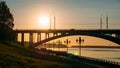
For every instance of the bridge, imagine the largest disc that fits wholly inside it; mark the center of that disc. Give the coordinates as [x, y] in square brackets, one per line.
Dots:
[111, 34]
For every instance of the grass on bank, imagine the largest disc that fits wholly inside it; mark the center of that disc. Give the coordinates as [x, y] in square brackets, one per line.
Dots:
[15, 56]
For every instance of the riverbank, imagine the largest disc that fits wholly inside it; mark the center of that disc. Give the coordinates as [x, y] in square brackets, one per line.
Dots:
[15, 56]
[99, 63]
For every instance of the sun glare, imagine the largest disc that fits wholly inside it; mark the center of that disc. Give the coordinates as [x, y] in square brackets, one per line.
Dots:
[44, 22]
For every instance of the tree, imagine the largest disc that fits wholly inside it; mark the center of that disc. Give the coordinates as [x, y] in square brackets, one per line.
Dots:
[6, 23]
[6, 18]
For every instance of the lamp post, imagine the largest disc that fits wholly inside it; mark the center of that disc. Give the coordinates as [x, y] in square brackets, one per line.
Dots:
[67, 42]
[80, 41]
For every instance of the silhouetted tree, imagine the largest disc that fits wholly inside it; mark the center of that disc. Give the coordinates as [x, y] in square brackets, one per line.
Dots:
[6, 23]
[6, 18]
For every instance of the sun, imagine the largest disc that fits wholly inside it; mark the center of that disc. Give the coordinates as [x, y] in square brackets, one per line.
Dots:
[44, 22]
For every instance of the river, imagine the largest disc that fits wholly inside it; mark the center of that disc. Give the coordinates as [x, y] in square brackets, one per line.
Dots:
[99, 53]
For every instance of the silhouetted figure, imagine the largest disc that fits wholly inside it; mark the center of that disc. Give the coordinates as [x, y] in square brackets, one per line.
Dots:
[6, 23]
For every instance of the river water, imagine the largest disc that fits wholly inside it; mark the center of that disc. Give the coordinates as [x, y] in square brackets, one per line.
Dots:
[99, 53]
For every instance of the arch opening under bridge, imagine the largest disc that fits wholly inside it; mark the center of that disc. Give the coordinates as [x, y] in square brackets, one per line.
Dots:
[98, 35]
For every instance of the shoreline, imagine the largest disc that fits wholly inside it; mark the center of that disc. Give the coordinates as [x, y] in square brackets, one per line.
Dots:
[85, 60]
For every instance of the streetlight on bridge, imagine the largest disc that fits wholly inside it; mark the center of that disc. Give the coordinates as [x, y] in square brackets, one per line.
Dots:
[80, 41]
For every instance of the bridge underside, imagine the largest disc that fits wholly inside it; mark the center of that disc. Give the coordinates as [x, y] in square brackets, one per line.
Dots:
[99, 35]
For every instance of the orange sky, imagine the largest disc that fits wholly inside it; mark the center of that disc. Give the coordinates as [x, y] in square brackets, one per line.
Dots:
[70, 14]
[77, 14]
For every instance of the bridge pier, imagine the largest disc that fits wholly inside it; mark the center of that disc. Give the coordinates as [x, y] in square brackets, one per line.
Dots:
[22, 39]
[46, 35]
[30, 38]
[38, 37]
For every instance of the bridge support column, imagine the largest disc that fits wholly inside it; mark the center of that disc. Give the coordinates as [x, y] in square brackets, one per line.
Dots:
[30, 38]
[22, 39]
[45, 35]
[48, 35]
[38, 37]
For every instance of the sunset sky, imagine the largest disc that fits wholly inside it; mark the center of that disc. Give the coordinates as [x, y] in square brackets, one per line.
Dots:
[70, 14]
[77, 14]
